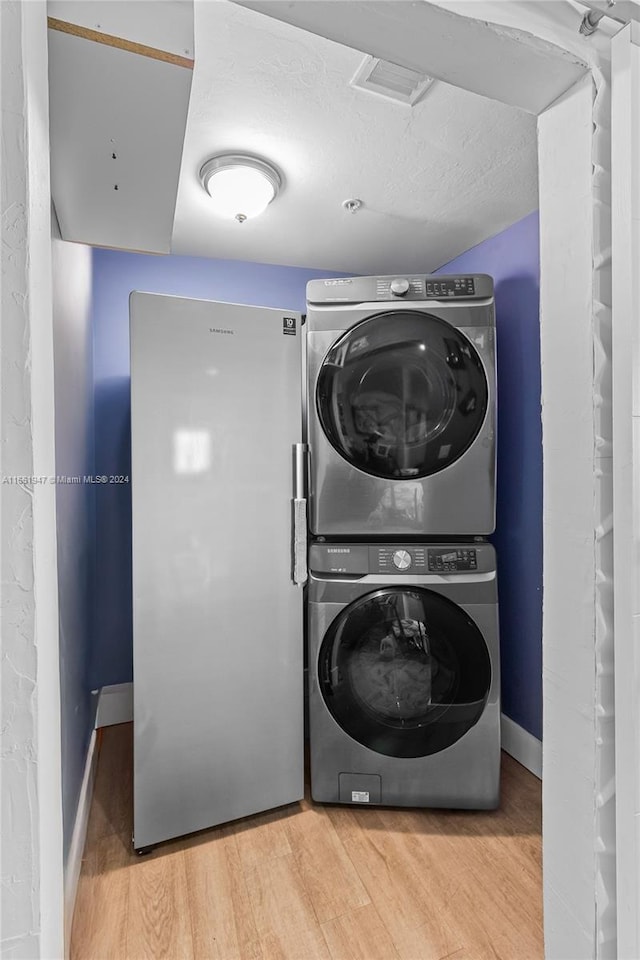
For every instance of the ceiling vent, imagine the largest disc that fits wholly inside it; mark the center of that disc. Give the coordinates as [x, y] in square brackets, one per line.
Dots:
[391, 80]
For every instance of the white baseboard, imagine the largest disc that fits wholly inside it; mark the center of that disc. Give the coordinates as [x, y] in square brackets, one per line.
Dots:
[115, 705]
[78, 838]
[521, 745]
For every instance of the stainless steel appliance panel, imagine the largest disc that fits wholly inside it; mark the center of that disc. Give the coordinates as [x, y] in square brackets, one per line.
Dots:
[218, 631]
[464, 774]
[458, 499]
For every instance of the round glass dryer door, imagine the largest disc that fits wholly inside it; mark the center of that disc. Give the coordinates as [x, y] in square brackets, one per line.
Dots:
[402, 394]
[404, 671]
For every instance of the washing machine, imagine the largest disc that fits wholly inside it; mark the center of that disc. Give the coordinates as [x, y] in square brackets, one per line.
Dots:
[404, 674]
[401, 406]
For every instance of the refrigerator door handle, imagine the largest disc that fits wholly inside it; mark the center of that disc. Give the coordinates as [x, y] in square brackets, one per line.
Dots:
[300, 518]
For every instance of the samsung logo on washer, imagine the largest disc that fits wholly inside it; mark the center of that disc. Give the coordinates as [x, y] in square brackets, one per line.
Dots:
[338, 549]
[219, 330]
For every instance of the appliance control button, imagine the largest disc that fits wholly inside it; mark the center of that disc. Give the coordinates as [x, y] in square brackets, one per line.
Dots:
[402, 559]
[399, 287]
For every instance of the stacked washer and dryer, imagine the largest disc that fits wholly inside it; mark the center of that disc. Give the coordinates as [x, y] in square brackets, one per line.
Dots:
[404, 666]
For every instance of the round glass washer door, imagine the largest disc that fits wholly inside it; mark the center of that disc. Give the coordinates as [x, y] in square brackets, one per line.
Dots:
[404, 671]
[402, 394]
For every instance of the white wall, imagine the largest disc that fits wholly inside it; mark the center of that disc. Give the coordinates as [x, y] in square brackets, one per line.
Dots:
[73, 358]
[32, 896]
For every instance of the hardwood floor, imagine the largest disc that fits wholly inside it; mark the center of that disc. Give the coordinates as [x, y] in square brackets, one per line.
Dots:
[308, 882]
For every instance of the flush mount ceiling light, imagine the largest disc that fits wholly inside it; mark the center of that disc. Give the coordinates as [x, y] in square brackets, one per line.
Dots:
[240, 186]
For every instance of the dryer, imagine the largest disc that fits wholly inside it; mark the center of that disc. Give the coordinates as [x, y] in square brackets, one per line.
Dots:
[401, 406]
[404, 674]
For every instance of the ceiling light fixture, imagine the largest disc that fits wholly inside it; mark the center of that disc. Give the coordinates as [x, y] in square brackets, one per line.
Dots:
[240, 185]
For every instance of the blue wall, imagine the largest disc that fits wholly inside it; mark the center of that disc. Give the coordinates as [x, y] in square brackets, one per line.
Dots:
[115, 275]
[512, 259]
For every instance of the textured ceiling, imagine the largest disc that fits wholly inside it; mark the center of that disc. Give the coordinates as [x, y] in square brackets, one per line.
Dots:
[434, 179]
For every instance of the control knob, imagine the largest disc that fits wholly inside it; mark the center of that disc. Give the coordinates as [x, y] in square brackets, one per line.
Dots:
[399, 287]
[402, 559]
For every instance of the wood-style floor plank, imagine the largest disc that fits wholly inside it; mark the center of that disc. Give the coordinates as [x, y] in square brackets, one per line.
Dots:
[111, 806]
[159, 908]
[101, 916]
[262, 837]
[329, 876]
[412, 904]
[311, 882]
[286, 923]
[219, 903]
[359, 935]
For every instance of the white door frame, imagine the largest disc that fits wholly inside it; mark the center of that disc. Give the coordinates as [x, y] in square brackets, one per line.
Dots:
[576, 358]
[625, 142]
[576, 500]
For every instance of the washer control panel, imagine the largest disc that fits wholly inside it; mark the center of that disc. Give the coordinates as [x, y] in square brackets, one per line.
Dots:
[398, 559]
[450, 560]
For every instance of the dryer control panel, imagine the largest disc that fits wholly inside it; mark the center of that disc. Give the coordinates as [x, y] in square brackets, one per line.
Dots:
[410, 286]
[398, 559]
[425, 288]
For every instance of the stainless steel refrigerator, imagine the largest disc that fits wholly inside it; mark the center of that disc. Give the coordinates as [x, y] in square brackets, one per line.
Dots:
[218, 562]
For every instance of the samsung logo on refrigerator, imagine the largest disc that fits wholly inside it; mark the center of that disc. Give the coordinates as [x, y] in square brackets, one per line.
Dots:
[219, 330]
